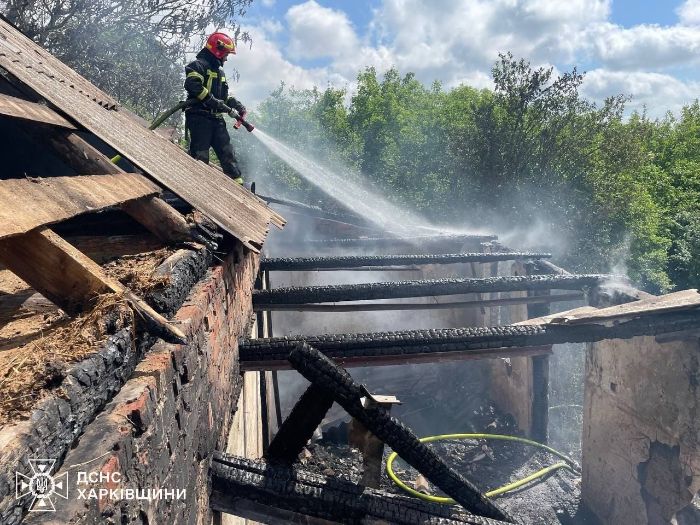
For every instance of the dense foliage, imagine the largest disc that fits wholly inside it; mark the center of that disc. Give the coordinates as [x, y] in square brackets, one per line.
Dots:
[530, 157]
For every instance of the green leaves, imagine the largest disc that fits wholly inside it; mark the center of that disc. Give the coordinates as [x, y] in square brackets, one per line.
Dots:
[530, 155]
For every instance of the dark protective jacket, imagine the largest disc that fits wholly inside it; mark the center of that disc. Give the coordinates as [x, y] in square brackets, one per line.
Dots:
[205, 82]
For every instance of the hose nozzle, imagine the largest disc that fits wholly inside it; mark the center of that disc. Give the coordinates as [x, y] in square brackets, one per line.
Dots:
[240, 121]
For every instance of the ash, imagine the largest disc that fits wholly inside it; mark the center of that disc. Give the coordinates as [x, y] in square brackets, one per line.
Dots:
[489, 464]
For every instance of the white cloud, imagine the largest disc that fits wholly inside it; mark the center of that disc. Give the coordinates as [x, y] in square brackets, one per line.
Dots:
[454, 38]
[268, 3]
[689, 12]
[262, 67]
[458, 41]
[644, 46]
[271, 26]
[317, 32]
[658, 92]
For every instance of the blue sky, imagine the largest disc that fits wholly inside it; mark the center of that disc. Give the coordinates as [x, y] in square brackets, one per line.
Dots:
[644, 48]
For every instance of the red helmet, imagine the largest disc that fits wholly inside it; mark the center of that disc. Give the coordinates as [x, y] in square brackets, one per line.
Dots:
[220, 44]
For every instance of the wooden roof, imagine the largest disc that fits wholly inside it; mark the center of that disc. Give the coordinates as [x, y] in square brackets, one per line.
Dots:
[229, 205]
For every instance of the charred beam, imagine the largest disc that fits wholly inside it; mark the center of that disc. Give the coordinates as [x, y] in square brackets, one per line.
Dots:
[478, 341]
[336, 381]
[259, 491]
[422, 288]
[300, 425]
[314, 211]
[416, 240]
[381, 307]
[289, 264]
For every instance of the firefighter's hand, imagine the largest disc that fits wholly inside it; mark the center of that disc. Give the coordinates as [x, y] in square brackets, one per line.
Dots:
[239, 180]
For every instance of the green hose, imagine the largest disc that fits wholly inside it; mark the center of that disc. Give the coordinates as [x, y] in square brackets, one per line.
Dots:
[567, 464]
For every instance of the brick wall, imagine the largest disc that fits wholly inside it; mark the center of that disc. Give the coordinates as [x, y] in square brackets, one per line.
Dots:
[159, 431]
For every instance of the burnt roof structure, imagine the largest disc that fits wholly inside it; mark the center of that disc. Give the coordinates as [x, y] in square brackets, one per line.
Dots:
[45, 79]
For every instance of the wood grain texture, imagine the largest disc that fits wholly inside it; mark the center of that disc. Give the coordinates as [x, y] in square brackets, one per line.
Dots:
[18, 108]
[70, 279]
[229, 205]
[26, 204]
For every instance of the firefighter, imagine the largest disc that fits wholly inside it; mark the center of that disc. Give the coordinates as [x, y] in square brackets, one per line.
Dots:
[205, 82]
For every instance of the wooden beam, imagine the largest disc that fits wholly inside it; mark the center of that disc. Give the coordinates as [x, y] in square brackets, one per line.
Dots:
[337, 382]
[161, 219]
[380, 307]
[156, 215]
[26, 204]
[299, 427]
[72, 280]
[23, 109]
[276, 494]
[409, 359]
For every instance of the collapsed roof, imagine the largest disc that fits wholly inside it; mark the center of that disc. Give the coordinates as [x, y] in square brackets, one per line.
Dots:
[72, 101]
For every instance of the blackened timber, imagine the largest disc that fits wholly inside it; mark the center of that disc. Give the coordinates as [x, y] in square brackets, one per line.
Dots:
[314, 211]
[299, 427]
[423, 288]
[382, 307]
[289, 264]
[540, 383]
[483, 341]
[415, 240]
[257, 490]
[336, 381]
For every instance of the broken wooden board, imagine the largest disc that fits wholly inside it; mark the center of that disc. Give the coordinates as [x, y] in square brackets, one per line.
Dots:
[70, 279]
[18, 108]
[229, 205]
[26, 204]
[673, 302]
[157, 216]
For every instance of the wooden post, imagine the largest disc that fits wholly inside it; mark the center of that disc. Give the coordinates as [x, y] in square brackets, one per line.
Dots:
[540, 379]
[70, 279]
[371, 447]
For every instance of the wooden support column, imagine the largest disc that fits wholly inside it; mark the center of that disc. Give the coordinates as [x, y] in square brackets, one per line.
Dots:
[371, 446]
[156, 215]
[70, 279]
[540, 382]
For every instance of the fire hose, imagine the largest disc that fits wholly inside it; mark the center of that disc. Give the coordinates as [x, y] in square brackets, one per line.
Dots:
[182, 105]
[567, 463]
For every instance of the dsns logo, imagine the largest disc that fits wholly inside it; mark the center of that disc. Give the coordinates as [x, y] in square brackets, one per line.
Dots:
[41, 485]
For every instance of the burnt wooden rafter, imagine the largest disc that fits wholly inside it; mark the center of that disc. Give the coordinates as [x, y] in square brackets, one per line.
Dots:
[336, 382]
[280, 494]
[70, 279]
[299, 427]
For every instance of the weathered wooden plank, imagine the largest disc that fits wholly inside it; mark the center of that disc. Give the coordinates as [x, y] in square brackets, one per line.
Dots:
[157, 216]
[26, 204]
[228, 204]
[18, 108]
[70, 279]
[677, 301]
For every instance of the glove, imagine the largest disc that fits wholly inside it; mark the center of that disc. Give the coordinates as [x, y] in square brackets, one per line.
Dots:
[216, 105]
[239, 180]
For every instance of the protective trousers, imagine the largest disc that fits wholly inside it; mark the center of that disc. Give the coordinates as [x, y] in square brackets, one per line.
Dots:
[210, 131]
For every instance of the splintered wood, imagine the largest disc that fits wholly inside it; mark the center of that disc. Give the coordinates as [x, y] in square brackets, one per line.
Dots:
[18, 108]
[70, 279]
[26, 204]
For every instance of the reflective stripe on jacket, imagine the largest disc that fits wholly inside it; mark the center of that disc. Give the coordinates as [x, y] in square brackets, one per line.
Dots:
[205, 81]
